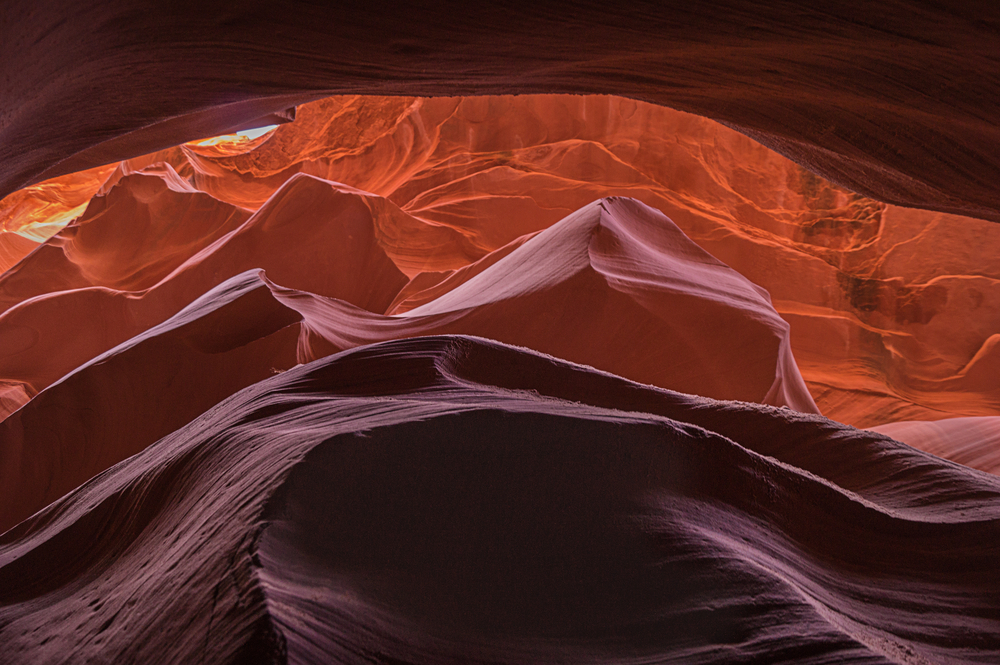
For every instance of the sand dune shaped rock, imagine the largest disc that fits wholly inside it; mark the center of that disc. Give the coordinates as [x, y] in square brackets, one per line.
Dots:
[614, 286]
[453, 499]
[313, 236]
[625, 523]
[880, 332]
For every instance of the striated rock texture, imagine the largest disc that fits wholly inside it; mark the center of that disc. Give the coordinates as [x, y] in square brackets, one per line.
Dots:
[34, 214]
[895, 99]
[248, 407]
[974, 442]
[451, 498]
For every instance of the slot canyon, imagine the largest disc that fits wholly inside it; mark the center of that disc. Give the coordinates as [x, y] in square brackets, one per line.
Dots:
[665, 333]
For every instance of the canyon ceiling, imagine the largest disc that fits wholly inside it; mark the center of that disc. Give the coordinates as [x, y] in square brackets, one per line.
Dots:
[895, 100]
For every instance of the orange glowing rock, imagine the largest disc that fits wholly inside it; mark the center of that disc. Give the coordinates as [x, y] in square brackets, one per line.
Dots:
[175, 244]
[307, 396]
[13, 248]
[876, 328]
[615, 286]
[452, 185]
[32, 215]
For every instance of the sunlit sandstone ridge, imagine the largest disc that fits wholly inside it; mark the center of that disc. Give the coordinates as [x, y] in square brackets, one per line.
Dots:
[880, 331]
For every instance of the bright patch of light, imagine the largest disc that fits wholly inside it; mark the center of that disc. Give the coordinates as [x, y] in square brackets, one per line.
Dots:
[43, 230]
[244, 136]
[259, 131]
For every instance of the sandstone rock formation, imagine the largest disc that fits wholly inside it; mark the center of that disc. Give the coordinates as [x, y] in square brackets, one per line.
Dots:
[880, 333]
[895, 99]
[437, 379]
[974, 442]
[454, 498]
[616, 286]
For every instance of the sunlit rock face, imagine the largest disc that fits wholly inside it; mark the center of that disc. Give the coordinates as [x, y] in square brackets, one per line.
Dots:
[431, 380]
[880, 332]
[34, 214]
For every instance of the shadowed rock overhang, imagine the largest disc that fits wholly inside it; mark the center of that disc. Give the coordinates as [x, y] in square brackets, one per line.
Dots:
[895, 99]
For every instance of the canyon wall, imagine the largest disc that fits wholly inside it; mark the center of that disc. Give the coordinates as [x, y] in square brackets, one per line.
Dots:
[428, 378]
[880, 332]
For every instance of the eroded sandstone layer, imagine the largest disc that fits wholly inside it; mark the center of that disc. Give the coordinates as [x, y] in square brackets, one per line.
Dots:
[661, 311]
[451, 498]
[880, 332]
[437, 380]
